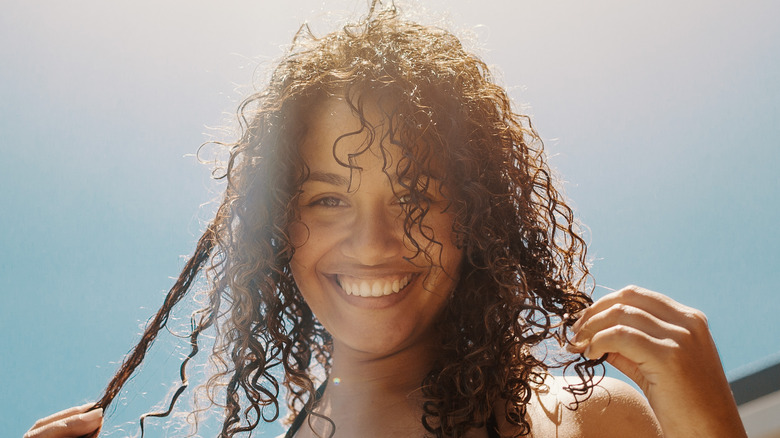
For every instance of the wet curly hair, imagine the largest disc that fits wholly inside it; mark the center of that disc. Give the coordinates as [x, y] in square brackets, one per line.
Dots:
[523, 276]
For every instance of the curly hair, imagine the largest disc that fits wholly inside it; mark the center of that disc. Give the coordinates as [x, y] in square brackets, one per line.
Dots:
[524, 275]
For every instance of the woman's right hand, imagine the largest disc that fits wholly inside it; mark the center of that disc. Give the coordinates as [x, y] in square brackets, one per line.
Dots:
[73, 422]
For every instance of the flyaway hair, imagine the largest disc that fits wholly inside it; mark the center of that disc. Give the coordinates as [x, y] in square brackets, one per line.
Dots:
[158, 322]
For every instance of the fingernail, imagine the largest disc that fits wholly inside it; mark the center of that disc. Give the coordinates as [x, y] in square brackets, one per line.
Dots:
[574, 346]
[92, 415]
[578, 317]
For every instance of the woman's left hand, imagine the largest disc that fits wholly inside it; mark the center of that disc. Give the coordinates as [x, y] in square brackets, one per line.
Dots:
[666, 348]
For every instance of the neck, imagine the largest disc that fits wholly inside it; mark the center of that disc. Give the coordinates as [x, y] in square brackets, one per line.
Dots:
[368, 393]
[357, 375]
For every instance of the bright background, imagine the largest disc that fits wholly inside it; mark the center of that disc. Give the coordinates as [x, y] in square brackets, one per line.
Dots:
[661, 116]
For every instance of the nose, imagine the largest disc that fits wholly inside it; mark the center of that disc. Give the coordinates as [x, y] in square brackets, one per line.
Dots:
[375, 237]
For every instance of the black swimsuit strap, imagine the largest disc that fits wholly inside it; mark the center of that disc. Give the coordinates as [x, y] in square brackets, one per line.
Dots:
[302, 415]
[490, 425]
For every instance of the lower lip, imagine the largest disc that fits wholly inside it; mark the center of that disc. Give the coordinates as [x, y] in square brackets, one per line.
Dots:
[382, 302]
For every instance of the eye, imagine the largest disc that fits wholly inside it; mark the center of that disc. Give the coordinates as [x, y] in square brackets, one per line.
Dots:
[424, 198]
[327, 202]
[404, 199]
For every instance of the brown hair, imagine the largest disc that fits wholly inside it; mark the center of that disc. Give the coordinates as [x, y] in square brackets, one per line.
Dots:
[524, 272]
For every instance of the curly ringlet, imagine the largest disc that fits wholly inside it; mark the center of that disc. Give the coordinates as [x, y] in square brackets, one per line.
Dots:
[524, 272]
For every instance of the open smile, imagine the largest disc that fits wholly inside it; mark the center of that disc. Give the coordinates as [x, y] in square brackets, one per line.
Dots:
[373, 287]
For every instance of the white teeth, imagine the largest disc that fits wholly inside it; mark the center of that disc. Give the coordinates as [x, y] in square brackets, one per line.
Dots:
[377, 287]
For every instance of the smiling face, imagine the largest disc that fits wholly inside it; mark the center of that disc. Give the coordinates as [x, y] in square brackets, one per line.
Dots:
[356, 268]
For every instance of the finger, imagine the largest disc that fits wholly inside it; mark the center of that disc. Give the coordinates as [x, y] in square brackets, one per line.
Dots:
[63, 414]
[658, 305]
[629, 368]
[72, 426]
[625, 315]
[635, 345]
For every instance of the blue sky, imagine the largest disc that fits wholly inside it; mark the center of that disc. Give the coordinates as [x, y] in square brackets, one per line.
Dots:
[661, 117]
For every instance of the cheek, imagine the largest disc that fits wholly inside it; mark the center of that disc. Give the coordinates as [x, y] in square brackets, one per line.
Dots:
[446, 272]
[446, 256]
[447, 249]
[299, 234]
[311, 246]
[301, 261]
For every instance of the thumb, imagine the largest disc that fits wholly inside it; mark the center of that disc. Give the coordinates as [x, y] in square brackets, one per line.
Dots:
[629, 368]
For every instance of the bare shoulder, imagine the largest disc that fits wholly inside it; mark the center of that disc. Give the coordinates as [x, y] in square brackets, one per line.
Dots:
[615, 409]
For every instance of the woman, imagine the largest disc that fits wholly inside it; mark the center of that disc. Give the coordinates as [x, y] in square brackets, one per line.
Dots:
[390, 224]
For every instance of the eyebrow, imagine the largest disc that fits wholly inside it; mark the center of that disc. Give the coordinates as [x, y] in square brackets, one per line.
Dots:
[340, 180]
[329, 178]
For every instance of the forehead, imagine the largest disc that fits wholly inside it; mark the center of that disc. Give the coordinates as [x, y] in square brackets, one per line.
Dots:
[333, 115]
[334, 132]
[337, 136]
